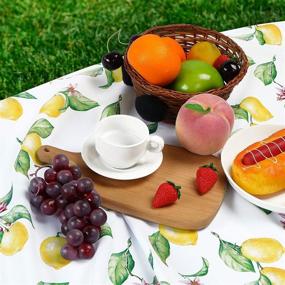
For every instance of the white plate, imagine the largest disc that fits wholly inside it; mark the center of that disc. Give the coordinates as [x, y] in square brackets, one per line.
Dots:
[151, 162]
[235, 144]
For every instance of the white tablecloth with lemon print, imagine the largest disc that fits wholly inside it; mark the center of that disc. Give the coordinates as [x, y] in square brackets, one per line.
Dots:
[221, 254]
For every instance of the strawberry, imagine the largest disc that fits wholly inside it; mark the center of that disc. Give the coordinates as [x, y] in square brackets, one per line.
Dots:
[220, 60]
[166, 194]
[206, 177]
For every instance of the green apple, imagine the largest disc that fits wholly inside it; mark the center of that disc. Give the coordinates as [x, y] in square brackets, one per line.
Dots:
[197, 76]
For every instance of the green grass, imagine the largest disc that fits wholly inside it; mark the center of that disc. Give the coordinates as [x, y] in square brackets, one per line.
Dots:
[42, 39]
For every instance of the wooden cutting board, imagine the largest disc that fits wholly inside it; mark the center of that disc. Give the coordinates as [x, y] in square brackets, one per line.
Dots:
[133, 197]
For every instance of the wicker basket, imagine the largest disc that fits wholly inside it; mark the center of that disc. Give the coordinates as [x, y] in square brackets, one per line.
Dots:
[187, 35]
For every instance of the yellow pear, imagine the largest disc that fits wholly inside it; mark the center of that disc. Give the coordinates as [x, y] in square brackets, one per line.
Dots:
[53, 106]
[10, 109]
[31, 144]
[274, 274]
[271, 34]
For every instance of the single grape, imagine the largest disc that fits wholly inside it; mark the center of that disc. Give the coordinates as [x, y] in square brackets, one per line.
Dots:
[98, 217]
[62, 217]
[64, 176]
[94, 199]
[81, 208]
[86, 251]
[37, 186]
[74, 183]
[112, 60]
[50, 175]
[68, 192]
[91, 233]
[85, 185]
[68, 211]
[61, 202]
[64, 228]
[53, 189]
[76, 171]
[74, 237]
[69, 252]
[48, 207]
[59, 162]
[75, 223]
[36, 201]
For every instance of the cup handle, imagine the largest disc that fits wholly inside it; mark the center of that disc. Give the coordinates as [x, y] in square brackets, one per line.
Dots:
[155, 144]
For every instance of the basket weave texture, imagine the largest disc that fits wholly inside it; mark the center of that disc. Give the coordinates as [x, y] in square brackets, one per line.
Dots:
[187, 35]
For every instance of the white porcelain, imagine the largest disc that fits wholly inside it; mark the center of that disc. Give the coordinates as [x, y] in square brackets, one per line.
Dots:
[236, 143]
[122, 141]
[150, 163]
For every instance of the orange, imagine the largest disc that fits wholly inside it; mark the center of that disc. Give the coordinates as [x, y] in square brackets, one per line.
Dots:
[175, 46]
[154, 59]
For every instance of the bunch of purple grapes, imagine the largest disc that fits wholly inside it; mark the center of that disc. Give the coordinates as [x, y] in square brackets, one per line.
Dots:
[76, 203]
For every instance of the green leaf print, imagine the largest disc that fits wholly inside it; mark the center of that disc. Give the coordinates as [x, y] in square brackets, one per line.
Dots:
[202, 272]
[79, 102]
[112, 109]
[164, 283]
[232, 256]
[240, 113]
[48, 283]
[150, 259]
[4, 201]
[259, 37]
[25, 95]
[110, 79]
[160, 245]
[245, 37]
[93, 72]
[1, 235]
[250, 61]
[152, 127]
[266, 72]
[267, 212]
[106, 231]
[264, 280]
[22, 163]
[42, 127]
[120, 266]
[16, 213]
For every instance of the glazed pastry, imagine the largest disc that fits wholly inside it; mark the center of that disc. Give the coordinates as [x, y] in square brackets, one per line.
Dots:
[260, 168]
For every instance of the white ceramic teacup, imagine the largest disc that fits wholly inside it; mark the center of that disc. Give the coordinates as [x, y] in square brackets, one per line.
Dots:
[123, 140]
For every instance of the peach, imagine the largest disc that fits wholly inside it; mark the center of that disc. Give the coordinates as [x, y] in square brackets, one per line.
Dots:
[204, 123]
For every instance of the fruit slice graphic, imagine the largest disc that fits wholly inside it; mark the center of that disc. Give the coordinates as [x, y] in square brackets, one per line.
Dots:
[179, 236]
[257, 110]
[53, 106]
[31, 144]
[10, 109]
[275, 275]
[14, 240]
[271, 34]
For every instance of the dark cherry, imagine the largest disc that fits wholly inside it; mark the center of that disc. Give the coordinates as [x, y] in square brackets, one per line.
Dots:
[229, 70]
[112, 60]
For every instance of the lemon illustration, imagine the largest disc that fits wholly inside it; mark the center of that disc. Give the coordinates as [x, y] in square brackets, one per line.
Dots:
[14, 240]
[271, 34]
[179, 236]
[117, 74]
[274, 274]
[10, 109]
[256, 109]
[53, 106]
[31, 144]
[262, 249]
[50, 252]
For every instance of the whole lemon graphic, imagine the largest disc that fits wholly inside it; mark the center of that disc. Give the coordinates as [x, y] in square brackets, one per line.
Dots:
[53, 106]
[179, 236]
[14, 240]
[262, 249]
[50, 252]
[256, 109]
[271, 34]
[31, 144]
[10, 109]
[274, 274]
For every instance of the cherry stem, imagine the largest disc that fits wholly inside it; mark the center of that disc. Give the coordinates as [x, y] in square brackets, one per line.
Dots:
[118, 38]
[280, 85]
[38, 169]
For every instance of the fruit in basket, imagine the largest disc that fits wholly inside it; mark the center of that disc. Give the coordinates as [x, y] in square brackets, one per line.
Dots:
[271, 34]
[274, 274]
[206, 178]
[204, 123]
[54, 105]
[150, 108]
[154, 59]
[31, 144]
[177, 48]
[205, 51]
[197, 76]
[262, 249]
[229, 70]
[220, 60]
[10, 109]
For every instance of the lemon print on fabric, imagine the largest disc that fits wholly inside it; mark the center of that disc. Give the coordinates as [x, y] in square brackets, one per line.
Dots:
[257, 110]
[10, 109]
[14, 240]
[271, 34]
[50, 252]
[31, 144]
[262, 249]
[274, 274]
[179, 236]
[53, 107]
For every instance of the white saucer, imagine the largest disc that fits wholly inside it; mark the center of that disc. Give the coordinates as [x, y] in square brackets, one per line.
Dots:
[236, 143]
[150, 163]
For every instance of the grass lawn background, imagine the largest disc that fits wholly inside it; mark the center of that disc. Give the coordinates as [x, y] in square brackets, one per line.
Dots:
[44, 39]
